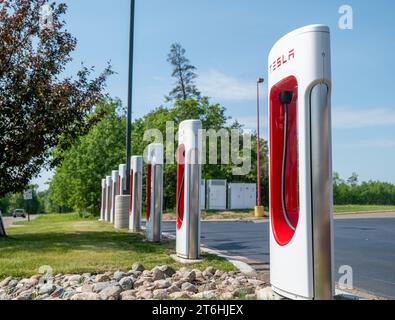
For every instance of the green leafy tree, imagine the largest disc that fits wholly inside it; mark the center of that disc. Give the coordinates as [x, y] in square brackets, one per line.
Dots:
[38, 104]
[353, 180]
[184, 73]
[77, 181]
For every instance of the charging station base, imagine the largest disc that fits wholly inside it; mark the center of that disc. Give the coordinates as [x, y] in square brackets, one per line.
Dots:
[185, 261]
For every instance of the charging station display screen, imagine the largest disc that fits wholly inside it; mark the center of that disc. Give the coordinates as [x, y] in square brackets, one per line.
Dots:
[284, 176]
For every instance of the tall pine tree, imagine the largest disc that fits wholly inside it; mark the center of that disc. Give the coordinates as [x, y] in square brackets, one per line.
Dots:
[184, 72]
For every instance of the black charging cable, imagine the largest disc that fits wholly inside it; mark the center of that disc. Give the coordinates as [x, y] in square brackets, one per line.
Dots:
[285, 99]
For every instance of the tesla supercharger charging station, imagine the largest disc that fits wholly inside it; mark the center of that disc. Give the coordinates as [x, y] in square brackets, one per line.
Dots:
[188, 190]
[136, 191]
[108, 198]
[122, 180]
[155, 192]
[114, 193]
[301, 220]
[103, 200]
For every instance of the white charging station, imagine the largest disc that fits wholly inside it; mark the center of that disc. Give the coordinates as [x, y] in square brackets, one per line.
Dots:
[155, 192]
[103, 200]
[114, 193]
[301, 199]
[108, 198]
[122, 180]
[188, 189]
[136, 191]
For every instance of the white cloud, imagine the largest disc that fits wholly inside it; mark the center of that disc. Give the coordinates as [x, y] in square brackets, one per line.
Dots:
[220, 86]
[347, 118]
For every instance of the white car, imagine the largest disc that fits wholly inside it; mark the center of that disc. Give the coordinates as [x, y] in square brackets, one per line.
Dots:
[19, 213]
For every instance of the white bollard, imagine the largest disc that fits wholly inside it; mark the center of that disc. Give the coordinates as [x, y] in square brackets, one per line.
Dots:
[122, 179]
[103, 200]
[108, 198]
[136, 190]
[114, 189]
[188, 190]
[155, 192]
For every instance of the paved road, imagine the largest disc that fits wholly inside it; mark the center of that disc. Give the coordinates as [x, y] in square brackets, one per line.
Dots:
[365, 243]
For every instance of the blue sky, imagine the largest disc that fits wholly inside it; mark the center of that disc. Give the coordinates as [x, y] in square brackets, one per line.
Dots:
[229, 41]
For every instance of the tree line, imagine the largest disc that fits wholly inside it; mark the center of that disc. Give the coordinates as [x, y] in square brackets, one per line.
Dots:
[365, 193]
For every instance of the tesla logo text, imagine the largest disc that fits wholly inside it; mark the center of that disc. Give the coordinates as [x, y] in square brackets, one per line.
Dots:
[280, 61]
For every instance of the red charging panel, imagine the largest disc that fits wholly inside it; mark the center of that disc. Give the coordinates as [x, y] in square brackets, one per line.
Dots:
[131, 193]
[282, 232]
[149, 178]
[180, 205]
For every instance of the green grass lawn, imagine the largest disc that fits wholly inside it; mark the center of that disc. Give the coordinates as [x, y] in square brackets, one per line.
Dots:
[362, 208]
[70, 244]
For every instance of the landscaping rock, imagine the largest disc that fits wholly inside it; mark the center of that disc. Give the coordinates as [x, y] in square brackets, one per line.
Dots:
[146, 295]
[266, 294]
[75, 278]
[139, 283]
[158, 274]
[87, 288]
[218, 274]
[25, 295]
[119, 275]
[181, 295]
[138, 267]
[128, 295]
[173, 288]
[102, 278]
[111, 293]
[86, 296]
[5, 282]
[162, 284]
[46, 289]
[126, 283]
[160, 293]
[227, 296]
[58, 292]
[189, 287]
[210, 271]
[188, 275]
[67, 295]
[13, 283]
[206, 295]
[98, 287]
[168, 271]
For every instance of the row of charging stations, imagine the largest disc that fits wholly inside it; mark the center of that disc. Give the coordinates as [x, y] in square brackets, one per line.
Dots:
[188, 191]
[300, 171]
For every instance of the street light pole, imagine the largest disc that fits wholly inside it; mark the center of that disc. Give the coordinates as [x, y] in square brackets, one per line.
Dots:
[130, 97]
[259, 212]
